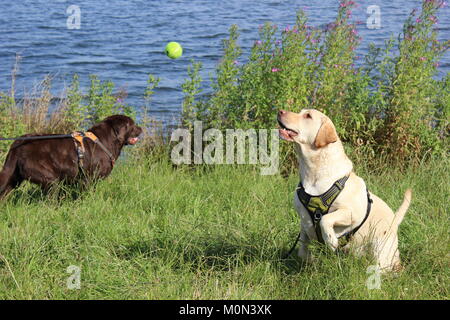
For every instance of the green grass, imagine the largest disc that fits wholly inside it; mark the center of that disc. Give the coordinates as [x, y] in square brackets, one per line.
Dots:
[152, 232]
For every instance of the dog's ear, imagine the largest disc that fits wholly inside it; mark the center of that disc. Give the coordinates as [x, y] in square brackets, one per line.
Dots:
[121, 131]
[326, 134]
[118, 126]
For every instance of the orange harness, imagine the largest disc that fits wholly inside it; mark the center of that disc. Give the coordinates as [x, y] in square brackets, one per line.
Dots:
[79, 137]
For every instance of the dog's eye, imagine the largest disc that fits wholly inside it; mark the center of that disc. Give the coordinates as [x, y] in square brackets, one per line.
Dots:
[307, 116]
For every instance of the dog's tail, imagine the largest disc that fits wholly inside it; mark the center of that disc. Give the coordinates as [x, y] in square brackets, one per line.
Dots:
[400, 214]
[7, 174]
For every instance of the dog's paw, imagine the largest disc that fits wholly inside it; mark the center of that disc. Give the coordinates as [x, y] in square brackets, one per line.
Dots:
[331, 241]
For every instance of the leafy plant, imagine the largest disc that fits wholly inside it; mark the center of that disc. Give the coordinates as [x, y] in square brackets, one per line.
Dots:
[389, 105]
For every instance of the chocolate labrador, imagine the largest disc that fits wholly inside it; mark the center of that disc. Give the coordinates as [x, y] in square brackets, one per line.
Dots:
[50, 160]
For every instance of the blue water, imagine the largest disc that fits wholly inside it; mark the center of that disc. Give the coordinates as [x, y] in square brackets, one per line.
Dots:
[123, 41]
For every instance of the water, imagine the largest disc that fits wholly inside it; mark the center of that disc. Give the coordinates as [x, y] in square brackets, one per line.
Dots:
[123, 41]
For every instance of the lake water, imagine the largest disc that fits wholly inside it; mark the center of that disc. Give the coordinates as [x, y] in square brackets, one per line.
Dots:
[124, 41]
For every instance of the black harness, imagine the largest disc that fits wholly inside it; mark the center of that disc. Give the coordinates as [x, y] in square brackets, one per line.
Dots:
[318, 206]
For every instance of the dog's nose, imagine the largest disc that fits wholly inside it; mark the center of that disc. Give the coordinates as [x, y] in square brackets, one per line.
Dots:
[281, 112]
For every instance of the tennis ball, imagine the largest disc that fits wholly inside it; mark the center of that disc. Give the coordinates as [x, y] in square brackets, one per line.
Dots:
[174, 50]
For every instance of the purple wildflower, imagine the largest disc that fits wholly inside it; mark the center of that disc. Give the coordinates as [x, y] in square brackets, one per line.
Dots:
[423, 58]
[275, 70]
[347, 4]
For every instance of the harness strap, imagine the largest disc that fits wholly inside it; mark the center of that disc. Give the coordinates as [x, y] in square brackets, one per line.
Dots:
[351, 233]
[54, 136]
[79, 137]
[327, 198]
[97, 141]
[318, 206]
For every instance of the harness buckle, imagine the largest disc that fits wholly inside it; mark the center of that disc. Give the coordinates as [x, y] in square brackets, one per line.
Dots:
[317, 215]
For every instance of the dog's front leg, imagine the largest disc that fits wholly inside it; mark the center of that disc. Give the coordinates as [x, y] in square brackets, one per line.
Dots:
[303, 251]
[338, 218]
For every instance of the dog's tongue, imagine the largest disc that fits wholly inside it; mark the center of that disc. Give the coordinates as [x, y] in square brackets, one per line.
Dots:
[133, 140]
[284, 134]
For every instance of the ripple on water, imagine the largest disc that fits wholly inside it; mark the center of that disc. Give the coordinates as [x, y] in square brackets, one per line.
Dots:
[124, 41]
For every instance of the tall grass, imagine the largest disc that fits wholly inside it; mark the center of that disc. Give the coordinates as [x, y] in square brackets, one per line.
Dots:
[153, 232]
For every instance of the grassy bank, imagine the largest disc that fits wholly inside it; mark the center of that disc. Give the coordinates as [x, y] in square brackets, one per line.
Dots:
[150, 231]
[153, 232]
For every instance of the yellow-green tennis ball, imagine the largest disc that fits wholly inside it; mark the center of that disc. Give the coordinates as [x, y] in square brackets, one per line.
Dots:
[174, 50]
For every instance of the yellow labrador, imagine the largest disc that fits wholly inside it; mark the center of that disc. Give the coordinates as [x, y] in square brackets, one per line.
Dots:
[354, 211]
